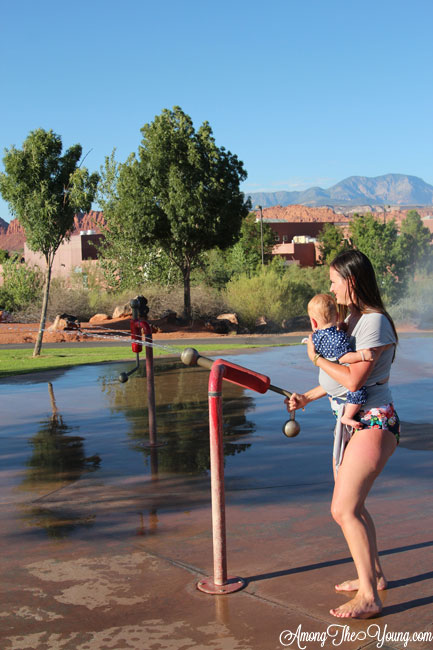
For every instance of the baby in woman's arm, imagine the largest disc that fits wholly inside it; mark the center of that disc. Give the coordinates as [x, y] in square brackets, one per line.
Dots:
[334, 344]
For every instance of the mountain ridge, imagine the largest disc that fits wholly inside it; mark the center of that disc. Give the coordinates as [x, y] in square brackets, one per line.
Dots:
[388, 189]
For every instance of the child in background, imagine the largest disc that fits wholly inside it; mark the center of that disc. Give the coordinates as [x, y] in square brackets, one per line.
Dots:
[334, 345]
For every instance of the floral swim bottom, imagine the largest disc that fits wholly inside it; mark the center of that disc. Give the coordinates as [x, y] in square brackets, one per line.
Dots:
[382, 417]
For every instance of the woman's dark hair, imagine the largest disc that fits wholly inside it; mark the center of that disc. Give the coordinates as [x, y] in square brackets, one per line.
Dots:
[354, 266]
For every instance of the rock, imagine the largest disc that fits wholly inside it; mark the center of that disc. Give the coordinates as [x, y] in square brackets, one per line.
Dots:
[232, 318]
[167, 320]
[99, 318]
[122, 310]
[169, 316]
[219, 326]
[265, 326]
[5, 316]
[296, 324]
[64, 322]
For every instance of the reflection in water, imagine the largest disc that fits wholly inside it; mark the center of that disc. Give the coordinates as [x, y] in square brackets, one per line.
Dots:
[182, 416]
[57, 457]
[57, 525]
[151, 527]
[222, 614]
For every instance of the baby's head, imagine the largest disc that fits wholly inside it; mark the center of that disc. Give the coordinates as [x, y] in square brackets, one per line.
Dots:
[322, 310]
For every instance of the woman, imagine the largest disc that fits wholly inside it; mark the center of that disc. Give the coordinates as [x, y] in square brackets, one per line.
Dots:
[354, 285]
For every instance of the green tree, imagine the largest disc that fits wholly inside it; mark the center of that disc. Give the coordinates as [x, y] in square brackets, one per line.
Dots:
[44, 190]
[388, 253]
[4, 255]
[332, 242]
[218, 266]
[181, 194]
[419, 238]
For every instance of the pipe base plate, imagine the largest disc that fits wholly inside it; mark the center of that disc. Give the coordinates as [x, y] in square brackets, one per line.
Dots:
[208, 586]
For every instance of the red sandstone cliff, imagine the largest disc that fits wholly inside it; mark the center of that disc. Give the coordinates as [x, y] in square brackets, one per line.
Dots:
[12, 236]
[299, 213]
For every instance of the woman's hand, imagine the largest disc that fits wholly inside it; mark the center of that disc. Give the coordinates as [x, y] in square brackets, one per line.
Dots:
[311, 350]
[295, 402]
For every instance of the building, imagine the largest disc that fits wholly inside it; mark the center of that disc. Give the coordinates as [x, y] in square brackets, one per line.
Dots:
[296, 228]
[70, 255]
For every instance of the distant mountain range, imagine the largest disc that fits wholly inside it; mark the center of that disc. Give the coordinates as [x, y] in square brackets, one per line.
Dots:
[390, 189]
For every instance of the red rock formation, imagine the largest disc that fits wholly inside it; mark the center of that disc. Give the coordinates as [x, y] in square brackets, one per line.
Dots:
[299, 213]
[92, 220]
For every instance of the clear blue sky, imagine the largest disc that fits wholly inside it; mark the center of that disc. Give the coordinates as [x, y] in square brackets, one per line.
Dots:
[305, 92]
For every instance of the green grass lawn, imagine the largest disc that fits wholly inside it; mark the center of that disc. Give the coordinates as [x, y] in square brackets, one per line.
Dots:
[16, 362]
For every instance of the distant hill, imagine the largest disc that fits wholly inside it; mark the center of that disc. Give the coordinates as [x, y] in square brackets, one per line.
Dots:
[390, 189]
[3, 225]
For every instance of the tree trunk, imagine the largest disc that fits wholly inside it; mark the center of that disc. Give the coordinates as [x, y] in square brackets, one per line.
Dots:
[38, 344]
[186, 271]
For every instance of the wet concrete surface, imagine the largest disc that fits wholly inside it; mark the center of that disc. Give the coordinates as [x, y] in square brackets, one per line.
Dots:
[103, 540]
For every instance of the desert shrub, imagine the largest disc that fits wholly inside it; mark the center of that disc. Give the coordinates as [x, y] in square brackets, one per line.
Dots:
[205, 301]
[317, 277]
[270, 294]
[22, 285]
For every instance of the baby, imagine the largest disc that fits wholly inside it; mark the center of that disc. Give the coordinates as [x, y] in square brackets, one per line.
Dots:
[334, 345]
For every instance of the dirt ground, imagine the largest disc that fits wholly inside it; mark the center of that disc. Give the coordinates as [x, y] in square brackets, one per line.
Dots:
[16, 333]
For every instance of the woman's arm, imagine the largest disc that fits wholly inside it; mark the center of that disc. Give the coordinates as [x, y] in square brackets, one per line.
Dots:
[299, 400]
[351, 377]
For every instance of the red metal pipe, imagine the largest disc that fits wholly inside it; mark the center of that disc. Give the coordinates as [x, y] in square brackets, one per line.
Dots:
[220, 583]
[244, 376]
[217, 474]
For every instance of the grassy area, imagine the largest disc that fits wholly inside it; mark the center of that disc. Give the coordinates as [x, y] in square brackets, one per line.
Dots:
[16, 362]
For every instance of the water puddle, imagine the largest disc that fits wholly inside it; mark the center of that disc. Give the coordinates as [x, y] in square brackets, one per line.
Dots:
[86, 429]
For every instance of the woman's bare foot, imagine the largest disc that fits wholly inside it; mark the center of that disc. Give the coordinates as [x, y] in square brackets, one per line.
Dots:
[353, 585]
[358, 607]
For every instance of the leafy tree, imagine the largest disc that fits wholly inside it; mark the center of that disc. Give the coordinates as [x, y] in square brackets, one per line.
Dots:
[250, 242]
[4, 255]
[332, 242]
[44, 190]
[387, 252]
[419, 238]
[180, 194]
[218, 266]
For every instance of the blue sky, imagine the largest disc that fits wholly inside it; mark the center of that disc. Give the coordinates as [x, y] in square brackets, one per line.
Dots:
[304, 92]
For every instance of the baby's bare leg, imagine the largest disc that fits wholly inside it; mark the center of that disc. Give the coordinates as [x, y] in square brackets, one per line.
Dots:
[348, 418]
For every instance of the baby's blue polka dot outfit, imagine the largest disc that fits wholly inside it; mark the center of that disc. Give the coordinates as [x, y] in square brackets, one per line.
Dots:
[332, 344]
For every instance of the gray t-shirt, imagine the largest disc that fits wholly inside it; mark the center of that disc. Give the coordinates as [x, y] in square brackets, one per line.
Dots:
[371, 331]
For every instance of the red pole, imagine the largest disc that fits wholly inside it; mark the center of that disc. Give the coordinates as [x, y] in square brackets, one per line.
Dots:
[220, 584]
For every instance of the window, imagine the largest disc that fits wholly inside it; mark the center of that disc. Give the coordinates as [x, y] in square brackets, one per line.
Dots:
[276, 238]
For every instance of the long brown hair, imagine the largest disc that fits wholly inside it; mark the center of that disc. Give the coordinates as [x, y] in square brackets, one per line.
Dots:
[355, 267]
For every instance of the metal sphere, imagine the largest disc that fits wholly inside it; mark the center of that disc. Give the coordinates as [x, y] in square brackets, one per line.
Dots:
[123, 377]
[189, 356]
[291, 428]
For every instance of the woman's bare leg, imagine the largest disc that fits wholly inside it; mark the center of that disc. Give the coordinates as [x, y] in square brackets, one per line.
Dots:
[353, 585]
[353, 483]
